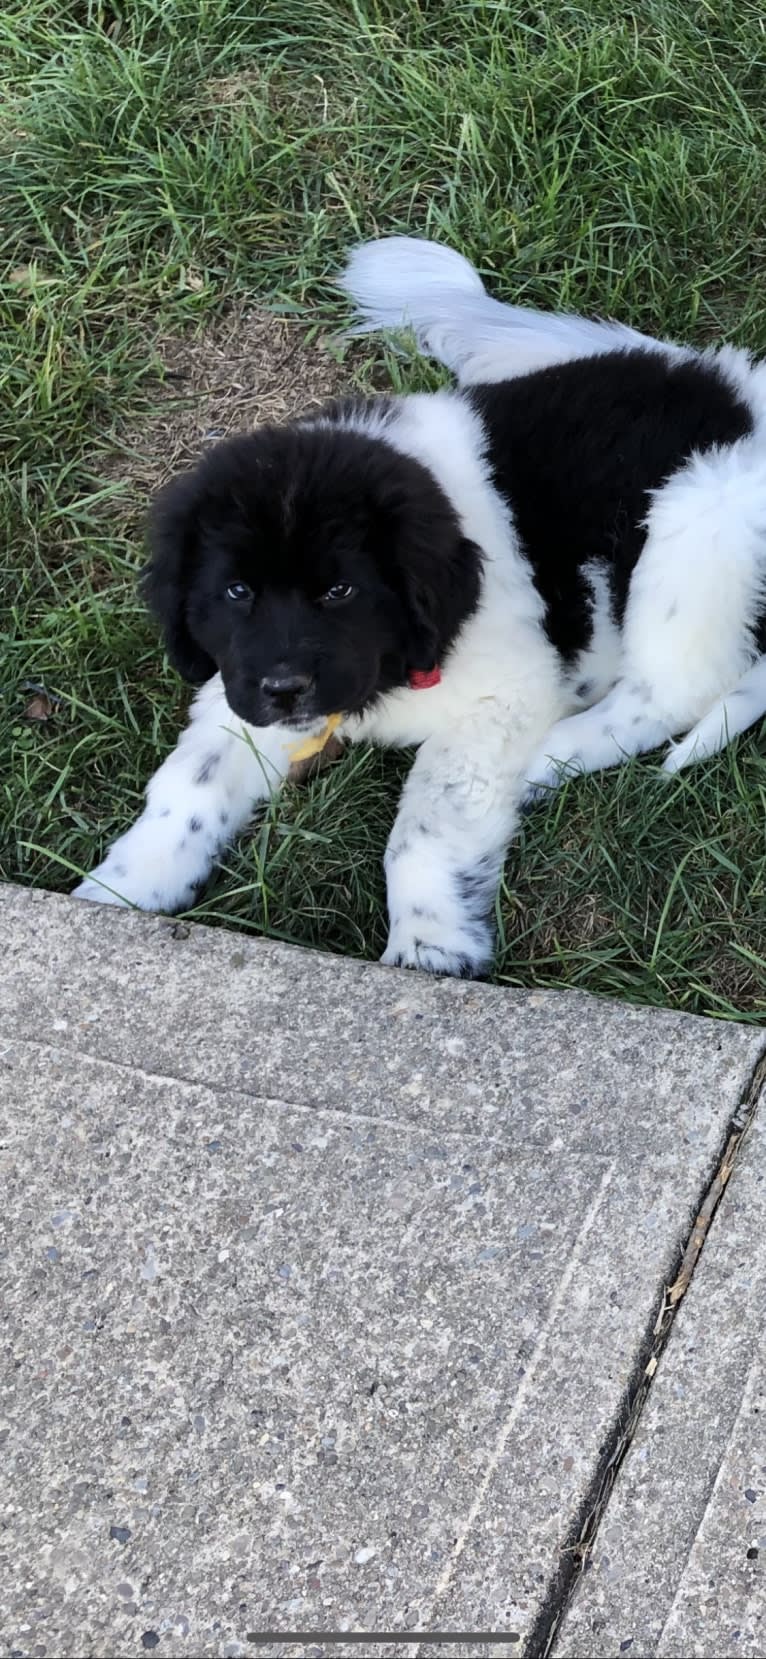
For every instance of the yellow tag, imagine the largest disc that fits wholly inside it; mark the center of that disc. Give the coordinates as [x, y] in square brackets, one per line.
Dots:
[315, 745]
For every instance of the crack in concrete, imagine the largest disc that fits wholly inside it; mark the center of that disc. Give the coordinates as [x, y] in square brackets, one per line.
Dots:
[254, 1097]
[530, 1377]
[575, 1553]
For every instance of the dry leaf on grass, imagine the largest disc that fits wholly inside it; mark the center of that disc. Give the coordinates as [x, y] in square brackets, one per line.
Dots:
[41, 707]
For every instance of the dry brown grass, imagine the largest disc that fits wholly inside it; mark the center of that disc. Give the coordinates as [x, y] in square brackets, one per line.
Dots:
[250, 367]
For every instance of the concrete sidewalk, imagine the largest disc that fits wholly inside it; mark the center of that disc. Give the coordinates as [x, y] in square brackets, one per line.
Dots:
[327, 1291]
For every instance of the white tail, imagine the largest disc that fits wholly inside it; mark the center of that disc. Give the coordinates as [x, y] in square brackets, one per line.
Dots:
[405, 282]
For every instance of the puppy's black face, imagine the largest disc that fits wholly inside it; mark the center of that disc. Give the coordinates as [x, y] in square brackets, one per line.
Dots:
[314, 567]
[292, 595]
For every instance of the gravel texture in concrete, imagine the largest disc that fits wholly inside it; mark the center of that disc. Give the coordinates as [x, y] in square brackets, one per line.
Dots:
[679, 1566]
[323, 1285]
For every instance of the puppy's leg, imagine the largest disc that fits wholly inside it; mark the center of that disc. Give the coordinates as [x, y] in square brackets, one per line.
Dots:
[200, 797]
[731, 715]
[694, 598]
[457, 814]
[626, 722]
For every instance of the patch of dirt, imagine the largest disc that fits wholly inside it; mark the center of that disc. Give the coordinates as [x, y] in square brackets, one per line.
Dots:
[249, 368]
[236, 88]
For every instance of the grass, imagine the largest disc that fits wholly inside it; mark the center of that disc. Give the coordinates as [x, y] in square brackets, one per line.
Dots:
[160, 162]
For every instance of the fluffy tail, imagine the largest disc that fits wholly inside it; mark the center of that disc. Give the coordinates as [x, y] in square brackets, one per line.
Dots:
[405, 282]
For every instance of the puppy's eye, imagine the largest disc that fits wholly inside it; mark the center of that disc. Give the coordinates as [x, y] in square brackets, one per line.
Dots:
[238, 591]
[338, 592]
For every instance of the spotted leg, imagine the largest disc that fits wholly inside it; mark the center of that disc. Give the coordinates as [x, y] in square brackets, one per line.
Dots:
[458, 810]
[197, 801]
[626, 722]
[729, 716]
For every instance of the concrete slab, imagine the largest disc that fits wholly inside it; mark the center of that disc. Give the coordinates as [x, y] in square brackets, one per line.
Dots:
[323, 1284]
[680, 1561]
[215, 1007]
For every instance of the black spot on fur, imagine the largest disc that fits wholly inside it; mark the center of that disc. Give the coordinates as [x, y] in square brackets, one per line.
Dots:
[584, 689]
[208, 768]
[223, 817]
[577, 448]
[195, 824]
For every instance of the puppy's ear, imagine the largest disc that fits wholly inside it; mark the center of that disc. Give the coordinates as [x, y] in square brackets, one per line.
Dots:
[167, 578]
[424, 646]
[422, 550]
[441, 582]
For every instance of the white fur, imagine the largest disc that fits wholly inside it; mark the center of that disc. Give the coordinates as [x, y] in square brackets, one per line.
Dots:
[598, 666]
[403, 282]
[501, 688]
[683, 657]
[197, 801]
[687, 643]
[731, 714]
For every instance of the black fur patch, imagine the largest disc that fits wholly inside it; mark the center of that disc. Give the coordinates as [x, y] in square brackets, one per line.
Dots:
[575, 450]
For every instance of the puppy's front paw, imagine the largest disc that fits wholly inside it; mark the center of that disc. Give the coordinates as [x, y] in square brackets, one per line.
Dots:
[462, 954]
[98, 892]
[149, 887]
[154, 866]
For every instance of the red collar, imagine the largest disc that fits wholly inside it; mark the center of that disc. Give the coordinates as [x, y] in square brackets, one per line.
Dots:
[422, 679]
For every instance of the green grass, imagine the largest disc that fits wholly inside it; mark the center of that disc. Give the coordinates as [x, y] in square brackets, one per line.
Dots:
[159, 160]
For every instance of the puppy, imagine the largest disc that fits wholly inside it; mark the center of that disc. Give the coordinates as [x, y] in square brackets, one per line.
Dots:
[560, 563]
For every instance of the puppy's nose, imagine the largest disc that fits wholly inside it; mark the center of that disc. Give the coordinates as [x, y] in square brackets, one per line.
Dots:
[285, 688]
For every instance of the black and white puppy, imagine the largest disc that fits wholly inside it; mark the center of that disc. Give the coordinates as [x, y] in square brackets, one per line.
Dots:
[561, 562]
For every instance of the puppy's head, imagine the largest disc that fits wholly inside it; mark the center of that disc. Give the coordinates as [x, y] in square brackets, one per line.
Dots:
[314, 566]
